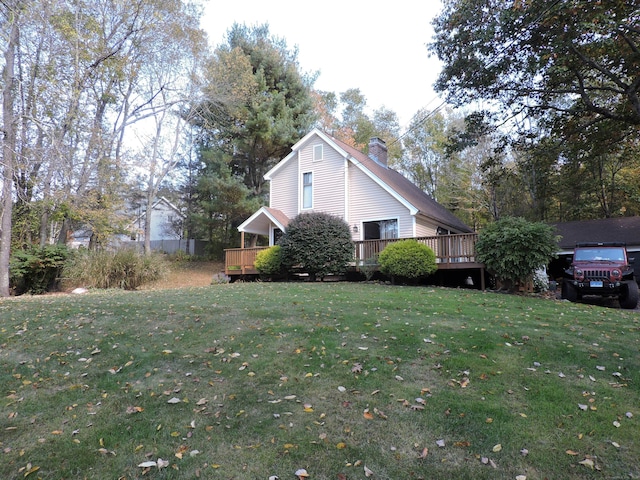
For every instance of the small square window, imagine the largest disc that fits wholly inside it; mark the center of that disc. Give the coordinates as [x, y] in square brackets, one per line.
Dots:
[317, 153]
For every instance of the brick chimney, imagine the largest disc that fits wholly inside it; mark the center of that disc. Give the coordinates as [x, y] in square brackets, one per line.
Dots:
[378, 150]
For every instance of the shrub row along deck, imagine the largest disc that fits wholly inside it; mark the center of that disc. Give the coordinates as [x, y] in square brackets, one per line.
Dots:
[453, 252]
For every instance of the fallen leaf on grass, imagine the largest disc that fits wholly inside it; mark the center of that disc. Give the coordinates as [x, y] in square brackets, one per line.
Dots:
[424, 453]
[30, 469]
[587, 462]
[367, 471]
[380, 413]
[440, 443]
[174, 400]
[301, 473]
[571, 452]
[497, 447]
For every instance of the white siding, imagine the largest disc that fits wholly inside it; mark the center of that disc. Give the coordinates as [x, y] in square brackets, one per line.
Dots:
[369, 202]
[162, 217]
[424, 228]
[328, 178]
[284, 189]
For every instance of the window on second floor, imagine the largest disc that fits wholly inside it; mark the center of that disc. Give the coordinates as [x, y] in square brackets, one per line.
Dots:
[307, 190]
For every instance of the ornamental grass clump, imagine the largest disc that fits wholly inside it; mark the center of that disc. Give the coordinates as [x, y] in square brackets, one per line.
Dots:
[126, 269]
[407, 259]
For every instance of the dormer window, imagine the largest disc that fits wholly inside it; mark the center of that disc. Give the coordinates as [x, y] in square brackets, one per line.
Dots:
[317, 153]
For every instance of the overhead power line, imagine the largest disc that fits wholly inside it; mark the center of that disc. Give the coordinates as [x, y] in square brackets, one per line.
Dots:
[443, 103]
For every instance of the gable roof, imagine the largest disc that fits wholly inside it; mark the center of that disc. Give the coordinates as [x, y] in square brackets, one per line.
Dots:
[622, 229]
[259, 222]
[158, 202]
[398, 186]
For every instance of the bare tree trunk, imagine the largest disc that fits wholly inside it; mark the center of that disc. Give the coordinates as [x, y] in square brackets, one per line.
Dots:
[8, 153]
[147, 222]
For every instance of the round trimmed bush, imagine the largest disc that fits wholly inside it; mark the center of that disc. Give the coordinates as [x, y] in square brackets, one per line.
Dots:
[317, 243]
[408, 259]
[269, 261]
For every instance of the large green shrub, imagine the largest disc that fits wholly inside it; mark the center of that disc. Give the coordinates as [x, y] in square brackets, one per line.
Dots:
[318, 244]
[269, 261]
[513, 248]
[408, 259]
[126, 269]
[36, 270]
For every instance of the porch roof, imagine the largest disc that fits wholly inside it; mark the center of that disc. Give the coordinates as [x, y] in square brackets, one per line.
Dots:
[261, 220]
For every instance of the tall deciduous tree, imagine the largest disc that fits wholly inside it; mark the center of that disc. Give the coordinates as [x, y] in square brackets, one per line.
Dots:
[170, 77]
[564, 77]
[578, 58]
[10, 17]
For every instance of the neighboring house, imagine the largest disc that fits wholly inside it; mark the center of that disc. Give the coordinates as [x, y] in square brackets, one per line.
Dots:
[166, 221]
[324, 174]
[621, 229]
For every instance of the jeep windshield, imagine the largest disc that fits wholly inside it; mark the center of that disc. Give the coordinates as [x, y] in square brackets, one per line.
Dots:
[599, 255]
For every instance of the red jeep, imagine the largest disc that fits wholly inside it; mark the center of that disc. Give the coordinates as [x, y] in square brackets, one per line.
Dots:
[601, 269]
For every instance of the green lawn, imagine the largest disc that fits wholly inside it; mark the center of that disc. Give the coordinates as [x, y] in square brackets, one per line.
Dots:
[344, 380]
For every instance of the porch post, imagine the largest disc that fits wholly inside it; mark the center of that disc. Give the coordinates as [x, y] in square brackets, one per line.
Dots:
[242, 239]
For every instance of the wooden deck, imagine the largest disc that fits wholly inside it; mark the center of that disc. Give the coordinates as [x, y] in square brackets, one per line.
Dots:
[452, 252]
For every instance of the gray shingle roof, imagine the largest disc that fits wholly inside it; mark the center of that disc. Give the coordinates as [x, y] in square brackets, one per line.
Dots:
[424, 203]
[621, 229]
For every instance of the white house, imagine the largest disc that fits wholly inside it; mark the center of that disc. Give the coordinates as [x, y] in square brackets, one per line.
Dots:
[166, 219]
[324, 174]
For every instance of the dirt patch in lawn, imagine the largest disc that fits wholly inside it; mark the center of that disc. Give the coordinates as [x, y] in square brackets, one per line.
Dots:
[188, 274]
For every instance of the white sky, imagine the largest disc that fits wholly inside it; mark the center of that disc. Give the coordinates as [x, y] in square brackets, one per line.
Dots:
[352, 43]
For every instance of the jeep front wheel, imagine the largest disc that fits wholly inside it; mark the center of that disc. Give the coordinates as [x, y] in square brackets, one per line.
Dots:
[569, 292]
[629, 298]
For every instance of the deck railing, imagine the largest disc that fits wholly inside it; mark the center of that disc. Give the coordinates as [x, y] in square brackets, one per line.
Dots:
[452, 251]
[240, 261]
[449, 249]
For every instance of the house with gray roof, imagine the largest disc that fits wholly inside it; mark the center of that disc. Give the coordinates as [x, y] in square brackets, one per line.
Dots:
[324, 174]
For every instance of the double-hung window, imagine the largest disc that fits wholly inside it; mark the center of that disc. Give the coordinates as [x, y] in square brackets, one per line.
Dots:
[307, 190]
